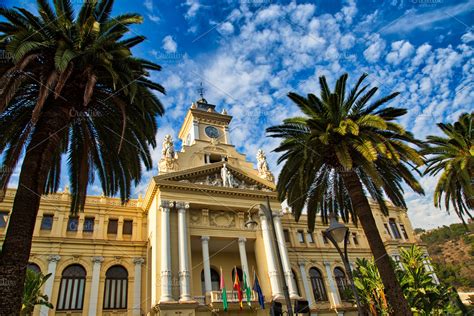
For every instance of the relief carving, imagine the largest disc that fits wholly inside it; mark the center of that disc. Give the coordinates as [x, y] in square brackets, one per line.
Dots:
[222, 219]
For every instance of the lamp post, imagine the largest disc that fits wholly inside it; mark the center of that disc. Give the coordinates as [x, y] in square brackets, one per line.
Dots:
[251, 224]
[337, 232]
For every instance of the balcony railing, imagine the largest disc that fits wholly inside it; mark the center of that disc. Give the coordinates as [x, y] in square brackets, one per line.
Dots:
[232, 297]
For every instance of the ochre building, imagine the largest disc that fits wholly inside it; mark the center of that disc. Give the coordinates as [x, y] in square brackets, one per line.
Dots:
[165, 252]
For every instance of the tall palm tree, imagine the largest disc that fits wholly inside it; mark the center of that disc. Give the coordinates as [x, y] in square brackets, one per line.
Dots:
[71, 89]
[453, 156]
[343, 146]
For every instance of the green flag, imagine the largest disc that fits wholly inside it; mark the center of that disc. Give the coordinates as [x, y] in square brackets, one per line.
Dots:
[225, 305]
[248, 291]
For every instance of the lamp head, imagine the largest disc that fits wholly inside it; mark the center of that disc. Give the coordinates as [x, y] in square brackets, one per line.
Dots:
[251, 224]
[336, 230]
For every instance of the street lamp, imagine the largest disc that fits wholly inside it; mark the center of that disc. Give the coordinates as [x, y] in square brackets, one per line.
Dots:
[252, 224]
[337, 232]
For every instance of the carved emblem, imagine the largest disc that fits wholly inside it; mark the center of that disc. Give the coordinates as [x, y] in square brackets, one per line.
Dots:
[222, 219]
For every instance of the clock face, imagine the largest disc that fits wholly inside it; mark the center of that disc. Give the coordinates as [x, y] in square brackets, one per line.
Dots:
[212, 132]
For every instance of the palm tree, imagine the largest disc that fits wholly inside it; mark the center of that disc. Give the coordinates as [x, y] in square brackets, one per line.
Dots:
[453, 156]
[32, 294]
[73, 89]
[342, 147]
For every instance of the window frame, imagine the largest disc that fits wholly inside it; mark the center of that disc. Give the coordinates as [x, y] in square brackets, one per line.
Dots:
[76, 286]
[42, 227]
[301, 237]
[4, 222]
[131, 227]
[317, 285]
[86, 219]
[392, 223]
[341, 283]
[112, 220]
[70, 220]
[122, 293]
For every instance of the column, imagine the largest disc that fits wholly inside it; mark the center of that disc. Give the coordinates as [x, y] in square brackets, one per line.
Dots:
[137, 286]
[271, 257]
[206, 263]
[48, 286]
[184, 274]
[227, 135]
[290, 281]
[332, 285]
[429, 268]
[307, 289]
[96, 261]
[165, 273]
[243, 258]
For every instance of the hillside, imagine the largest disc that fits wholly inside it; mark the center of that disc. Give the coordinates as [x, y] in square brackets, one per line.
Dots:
[452, 252]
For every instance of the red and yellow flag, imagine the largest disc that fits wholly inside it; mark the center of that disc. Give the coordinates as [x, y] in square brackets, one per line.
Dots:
[238, 288]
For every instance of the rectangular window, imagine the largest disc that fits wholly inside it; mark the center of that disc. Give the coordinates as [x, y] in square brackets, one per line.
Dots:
[3, 218]
[354, 239]
[404, 231]
[301, 236]
[112, 227]
[286, 233]
[127, 227]
[310, 238]
[72, 224]
[47, 222]
[325, 240]
[394, 228]
[88, 224]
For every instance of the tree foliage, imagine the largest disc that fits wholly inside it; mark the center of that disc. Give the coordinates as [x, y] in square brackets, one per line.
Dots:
[453, 157]
[32, 294]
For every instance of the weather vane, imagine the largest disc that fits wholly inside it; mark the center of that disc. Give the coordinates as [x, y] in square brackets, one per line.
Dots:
[201, 91]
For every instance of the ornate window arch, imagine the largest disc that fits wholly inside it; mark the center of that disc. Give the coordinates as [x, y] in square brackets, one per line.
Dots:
[317, 283]
[341, 282]
[116, 288]
[72, 288]
[33, 266]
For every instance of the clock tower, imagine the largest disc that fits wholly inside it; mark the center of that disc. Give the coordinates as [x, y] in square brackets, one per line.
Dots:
[203, 123]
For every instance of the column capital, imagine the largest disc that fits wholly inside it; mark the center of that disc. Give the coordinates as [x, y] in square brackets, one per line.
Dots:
[302, 264]
[138, 260]
[327, 263]
[182, 205]
[242, 240]
[54, 258]
[205, 238]
[277, 215]
[97, 259]
[165, 204]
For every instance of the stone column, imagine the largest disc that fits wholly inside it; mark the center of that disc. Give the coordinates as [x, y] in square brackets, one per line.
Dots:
[48, 286]
[206, 263]
[94, 296]
[137, 286]
[184, 273]
[332, 285]
[271, 257]
[290, 281]
[165, 273]
[429, 268]
[307, 289]
[243, 258]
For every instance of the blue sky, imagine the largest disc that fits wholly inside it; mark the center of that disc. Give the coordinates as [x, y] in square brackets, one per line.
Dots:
[250, 53]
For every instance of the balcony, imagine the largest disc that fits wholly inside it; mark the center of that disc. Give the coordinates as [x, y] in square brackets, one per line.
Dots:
[214, 299]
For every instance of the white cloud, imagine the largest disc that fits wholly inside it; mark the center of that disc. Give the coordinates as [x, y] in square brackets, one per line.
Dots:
[411, 20]
[193, 8]
[375, 49]
[226, 28]
[400, 50]
[169, 45]
[468, 37]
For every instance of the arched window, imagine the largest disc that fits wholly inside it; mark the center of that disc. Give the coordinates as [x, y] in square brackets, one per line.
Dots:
[116, 288]
[319, 290]
[71, 290]
[34, 267]
[341, 282]
[239, 273]
[215, 281]
[296, 282]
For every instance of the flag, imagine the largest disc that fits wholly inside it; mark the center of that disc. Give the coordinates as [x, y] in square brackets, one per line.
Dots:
[238, 288]
[223, 293]
[248, 291]
[256, 287]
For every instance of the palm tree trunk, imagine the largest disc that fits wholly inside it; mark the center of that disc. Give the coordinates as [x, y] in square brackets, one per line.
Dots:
[17, 244]
[398, 303]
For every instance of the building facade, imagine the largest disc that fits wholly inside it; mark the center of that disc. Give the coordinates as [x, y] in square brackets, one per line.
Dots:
[166, 252]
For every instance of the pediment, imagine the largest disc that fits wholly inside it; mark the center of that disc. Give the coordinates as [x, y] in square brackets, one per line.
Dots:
[210, 175]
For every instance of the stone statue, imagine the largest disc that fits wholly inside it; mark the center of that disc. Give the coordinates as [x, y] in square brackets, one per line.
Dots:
[262, 167]
[225, 176]
[168, 161]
